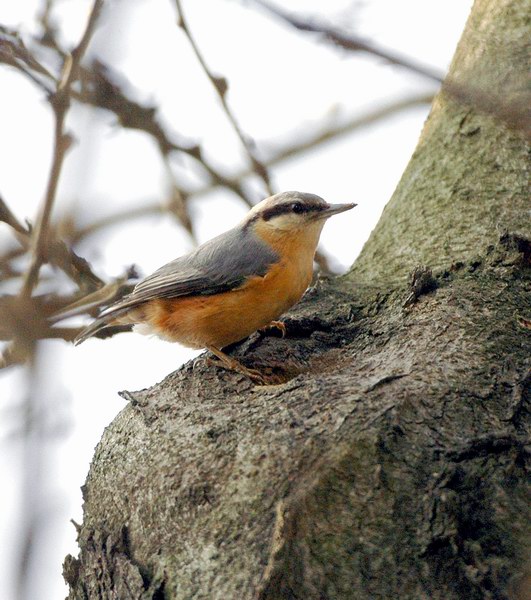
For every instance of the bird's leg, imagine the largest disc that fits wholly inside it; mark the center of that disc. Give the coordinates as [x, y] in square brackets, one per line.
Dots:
[280, 325]
[232, 364]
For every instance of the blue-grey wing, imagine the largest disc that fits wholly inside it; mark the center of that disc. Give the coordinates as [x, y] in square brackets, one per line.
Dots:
[221, 264]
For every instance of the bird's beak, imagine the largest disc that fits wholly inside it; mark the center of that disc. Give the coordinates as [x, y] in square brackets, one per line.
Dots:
[334, 209]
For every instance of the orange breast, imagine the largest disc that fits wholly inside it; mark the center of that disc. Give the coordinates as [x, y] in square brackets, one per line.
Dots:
[222, 319]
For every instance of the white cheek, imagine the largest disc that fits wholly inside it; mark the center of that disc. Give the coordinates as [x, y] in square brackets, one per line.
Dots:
[306, 233]
[285, 222]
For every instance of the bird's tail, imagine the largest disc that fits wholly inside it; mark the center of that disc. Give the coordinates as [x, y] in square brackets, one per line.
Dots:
[106, 320]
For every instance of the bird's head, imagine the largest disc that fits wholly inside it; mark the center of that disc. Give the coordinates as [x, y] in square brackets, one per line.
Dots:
[293, 212]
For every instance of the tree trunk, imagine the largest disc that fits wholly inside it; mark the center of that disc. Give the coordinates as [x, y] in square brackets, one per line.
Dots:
[391, 464]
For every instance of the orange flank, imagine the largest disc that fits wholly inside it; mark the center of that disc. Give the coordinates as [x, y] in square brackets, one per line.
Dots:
[219, 320]
[222, 319]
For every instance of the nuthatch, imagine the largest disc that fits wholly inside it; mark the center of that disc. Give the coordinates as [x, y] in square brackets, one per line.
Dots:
[232, 285]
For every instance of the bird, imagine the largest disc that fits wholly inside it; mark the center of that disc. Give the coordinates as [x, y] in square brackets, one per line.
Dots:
[231, 286]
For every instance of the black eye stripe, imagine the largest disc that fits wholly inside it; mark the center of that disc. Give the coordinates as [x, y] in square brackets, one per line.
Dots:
[290, 207]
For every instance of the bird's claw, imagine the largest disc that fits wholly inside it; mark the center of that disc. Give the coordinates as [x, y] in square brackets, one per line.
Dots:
[280, 325]
[233, 365]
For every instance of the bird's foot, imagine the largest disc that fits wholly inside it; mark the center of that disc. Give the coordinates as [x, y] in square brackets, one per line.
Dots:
[231, 364]
[280, 325]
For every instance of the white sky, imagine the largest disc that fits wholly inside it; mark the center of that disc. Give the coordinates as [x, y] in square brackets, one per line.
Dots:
[280, 84]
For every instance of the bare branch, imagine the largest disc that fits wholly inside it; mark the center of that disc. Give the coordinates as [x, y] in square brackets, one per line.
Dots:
[221, 86]
[60, 102]
[351, 42]
[117, 218]
[312, 141]
[319, 138]
[100, 88]
[14, 53]
[55, 251]
[90, 303]
[514, 112]
[8, 217]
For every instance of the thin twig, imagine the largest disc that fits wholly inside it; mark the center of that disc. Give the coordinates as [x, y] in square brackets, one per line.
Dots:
[13, 52]
[6, 216]
[220, 85]
[288, 152]
[514, 112]
[352, 42]
[100, 88]
[56, 252]
[117, 218]
[60, 103]
[320, 138]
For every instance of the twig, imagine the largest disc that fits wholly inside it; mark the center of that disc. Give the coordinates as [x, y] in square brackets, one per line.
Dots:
[99, 88]
[60, 103]
[90, 303]
[174, 207]
[220, 85]
[8, 217]
[312, 142]
[315, 140]
[14, 53]
[55, 252]
[119, 217]
[44, 18]
[514, 112]
[352, 42]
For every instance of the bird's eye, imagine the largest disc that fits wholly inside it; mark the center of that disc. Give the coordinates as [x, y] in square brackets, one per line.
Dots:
[297, 208]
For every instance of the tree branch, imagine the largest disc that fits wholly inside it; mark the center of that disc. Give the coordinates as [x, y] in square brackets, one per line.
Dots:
[221, 86]
[100, 88]
[351, 42]
[319, 138]
[60, 103]
[514, 111]
[313, 141]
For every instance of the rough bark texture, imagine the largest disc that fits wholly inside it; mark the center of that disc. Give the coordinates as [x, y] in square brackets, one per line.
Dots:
[392, 463]
[465, 183]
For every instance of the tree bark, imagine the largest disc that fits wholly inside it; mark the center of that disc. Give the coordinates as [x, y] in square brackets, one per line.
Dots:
[392, 461]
